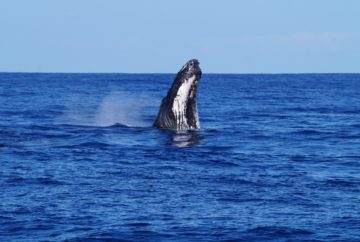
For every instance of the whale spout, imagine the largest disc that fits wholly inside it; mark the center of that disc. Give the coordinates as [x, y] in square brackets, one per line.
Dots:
[178, 110]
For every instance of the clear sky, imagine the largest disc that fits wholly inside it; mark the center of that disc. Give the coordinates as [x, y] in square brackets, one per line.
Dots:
[228, 36]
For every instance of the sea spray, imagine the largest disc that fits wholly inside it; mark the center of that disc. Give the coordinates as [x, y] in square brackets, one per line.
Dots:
[115, 108]
[120, 108]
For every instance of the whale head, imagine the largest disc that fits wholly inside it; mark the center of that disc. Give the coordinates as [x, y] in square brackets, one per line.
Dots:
[178, 110]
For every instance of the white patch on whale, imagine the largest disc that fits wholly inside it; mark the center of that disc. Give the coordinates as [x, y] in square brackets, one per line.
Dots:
[180, 102]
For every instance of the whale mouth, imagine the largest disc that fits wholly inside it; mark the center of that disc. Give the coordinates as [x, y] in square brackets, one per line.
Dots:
[189, 77]
[178, 109]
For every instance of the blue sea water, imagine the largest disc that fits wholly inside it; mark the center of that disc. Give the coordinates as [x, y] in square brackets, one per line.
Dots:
[277, 159]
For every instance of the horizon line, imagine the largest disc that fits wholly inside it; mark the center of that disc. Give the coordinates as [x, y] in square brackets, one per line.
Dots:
[170, 73]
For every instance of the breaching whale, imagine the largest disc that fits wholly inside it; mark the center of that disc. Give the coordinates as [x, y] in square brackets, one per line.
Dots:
[178, 110]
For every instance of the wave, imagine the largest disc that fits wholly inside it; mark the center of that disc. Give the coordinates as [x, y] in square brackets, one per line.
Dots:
[34, 181]
[97, 145]
[274, 232]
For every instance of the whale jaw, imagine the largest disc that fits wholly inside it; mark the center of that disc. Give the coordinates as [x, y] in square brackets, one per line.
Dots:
[178, 110]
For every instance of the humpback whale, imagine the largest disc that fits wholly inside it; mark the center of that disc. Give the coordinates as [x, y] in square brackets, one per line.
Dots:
[178, 110]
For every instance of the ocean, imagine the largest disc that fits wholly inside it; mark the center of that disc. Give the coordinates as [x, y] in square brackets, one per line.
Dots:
[277, 158]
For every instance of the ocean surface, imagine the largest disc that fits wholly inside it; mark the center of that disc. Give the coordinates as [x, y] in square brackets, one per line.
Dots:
[277, 159]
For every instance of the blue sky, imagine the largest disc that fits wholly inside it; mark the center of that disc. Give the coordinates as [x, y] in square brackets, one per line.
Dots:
[229, 36]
